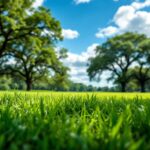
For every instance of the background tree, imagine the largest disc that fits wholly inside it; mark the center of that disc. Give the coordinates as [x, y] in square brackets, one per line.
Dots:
[141, 75]
[116, 55]
[141, 71]
[133, 85]
[5, 83]
[61, 80]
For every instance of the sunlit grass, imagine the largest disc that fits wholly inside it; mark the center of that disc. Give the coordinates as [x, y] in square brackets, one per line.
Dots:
[59, 120]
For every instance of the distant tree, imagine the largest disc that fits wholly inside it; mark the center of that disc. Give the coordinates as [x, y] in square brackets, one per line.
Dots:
[104, 89]
[80, 87]
[141, 71]
[42, 84]
[17, 84]
[5, 83]
[116, 55]
[60, 80]
[133, 85]
[141, 75]
[90, 88]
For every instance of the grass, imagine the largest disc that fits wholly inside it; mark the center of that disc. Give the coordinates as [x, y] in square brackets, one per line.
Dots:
[50, 120]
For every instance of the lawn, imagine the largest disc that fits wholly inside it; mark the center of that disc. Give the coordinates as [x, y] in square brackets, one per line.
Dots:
[51, 120]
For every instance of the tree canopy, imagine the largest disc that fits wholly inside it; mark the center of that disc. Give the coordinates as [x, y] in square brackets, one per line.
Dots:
[27, 42]
[117, 55]
[19, 20]
[33, 61]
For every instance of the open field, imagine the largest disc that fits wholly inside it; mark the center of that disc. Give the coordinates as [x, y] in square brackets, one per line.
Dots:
[50, 120]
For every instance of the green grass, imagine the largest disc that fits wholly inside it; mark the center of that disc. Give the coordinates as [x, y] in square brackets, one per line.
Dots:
[50, 120]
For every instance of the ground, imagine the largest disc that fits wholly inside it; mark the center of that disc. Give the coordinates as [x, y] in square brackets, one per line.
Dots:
[57, 120]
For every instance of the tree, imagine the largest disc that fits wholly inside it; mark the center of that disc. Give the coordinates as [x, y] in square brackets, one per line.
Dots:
[5, 83]
[27, 37]
[141, 72]
[141, 75]
[116, 55]
[19, 20]
[60, 80]
[8, 82]
[62, 53]
[33, 59]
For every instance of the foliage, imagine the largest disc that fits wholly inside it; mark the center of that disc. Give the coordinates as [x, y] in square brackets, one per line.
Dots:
[55, 83]
[141, 75]
[5, 83]
[27, 41]
[33, 60]
[19, 20]
[116, 55]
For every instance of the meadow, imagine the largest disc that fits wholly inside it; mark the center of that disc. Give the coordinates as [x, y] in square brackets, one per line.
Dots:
[74, 121]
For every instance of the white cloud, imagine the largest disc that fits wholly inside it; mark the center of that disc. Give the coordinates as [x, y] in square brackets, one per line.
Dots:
[123, 16]
[129, 18]
[116, 0]
[38, 3]
[106, 32]
[78, 66]
[140, 5]
[81, 1]
[70, 34]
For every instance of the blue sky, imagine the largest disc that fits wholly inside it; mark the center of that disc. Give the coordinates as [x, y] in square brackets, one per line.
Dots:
[85, 18]
[87, 23]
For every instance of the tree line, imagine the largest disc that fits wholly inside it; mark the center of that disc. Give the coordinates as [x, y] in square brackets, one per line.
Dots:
[11, 83]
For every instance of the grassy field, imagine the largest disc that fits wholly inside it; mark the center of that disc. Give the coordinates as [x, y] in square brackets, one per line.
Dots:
[74, 121]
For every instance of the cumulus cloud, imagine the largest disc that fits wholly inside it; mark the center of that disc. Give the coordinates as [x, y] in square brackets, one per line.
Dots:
[78, 64]
[81, 1]
[140, 5]
[108, 31]
[129, 18]
[38, 3]
[70, 34]
[116, 0]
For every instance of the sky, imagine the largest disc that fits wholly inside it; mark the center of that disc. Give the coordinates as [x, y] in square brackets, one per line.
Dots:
[88, 23]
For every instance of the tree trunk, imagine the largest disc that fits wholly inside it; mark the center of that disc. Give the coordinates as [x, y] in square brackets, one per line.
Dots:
[29, 85]
[123, 87]
[142, 84]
